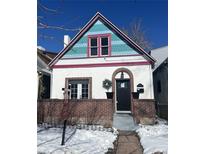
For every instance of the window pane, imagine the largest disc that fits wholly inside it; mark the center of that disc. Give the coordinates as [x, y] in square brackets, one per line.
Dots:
[83, 91]
[73, 96]
[104, 41]
[104, 51]
[74, 90]
[94, 51]
[83, 96]
[85, 85]
[93, 42]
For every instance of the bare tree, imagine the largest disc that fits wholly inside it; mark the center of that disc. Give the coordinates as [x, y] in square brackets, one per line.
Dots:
[68, 112]
[93, 115]
[44, 13]
[43, 24]
[40, 113]
[136, 32]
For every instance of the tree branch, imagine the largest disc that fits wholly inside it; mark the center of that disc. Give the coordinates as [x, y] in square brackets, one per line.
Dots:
[42, 26]
[136, 32]
[46, 9]
[51, 38]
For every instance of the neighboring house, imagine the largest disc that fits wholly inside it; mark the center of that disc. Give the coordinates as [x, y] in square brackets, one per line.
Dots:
[160, 78]
[101, 51]
[43, 73]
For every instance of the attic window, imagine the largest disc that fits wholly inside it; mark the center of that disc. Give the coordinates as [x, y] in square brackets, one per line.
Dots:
[104, 46]
[99, 45]
[93, 47]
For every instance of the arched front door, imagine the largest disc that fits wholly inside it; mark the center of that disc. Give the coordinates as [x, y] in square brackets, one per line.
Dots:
[122, 86]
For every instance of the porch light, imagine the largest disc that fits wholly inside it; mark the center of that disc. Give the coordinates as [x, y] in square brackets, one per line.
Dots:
[122, 75]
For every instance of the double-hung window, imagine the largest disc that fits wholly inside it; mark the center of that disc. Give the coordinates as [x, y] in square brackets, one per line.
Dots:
[99, 45]
[104, 46]
[79, 89]
[94, 46]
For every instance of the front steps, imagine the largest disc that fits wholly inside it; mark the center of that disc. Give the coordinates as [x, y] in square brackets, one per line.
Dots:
[124, 122]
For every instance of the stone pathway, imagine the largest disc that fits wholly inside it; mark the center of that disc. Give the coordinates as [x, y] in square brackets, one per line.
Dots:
[128, 143]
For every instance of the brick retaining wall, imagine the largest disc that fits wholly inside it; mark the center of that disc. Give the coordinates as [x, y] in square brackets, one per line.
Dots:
[90, 111]
[144, 111]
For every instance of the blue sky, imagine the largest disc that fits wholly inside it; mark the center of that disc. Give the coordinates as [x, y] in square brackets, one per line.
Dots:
[76, 13]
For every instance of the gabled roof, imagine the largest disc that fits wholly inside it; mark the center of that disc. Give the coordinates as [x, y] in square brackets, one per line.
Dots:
[162, 65]
[160, 54]
[43, 58]
[96, 17]
[46, 56]
[42, 66]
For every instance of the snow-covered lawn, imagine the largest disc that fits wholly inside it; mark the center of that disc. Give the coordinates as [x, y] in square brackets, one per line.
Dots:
[154, 138]
[82, 142]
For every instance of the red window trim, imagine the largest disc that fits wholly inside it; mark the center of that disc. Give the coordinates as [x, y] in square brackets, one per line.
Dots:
[89, 46]
[99, 36]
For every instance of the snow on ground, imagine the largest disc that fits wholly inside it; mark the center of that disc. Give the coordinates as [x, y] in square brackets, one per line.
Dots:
[82, 142]
[154, 138]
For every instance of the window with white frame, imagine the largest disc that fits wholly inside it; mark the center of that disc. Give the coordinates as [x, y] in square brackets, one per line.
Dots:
[99, 45]
[79, 89]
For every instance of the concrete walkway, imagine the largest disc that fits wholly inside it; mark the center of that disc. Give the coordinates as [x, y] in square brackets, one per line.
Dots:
[128, 143]
[123, 122]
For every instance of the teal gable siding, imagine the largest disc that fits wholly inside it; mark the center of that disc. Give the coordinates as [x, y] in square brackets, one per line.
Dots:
[118, 46]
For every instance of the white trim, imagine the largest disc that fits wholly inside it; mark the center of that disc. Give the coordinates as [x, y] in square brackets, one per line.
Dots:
[115, 96]
[79, 91]
[51, 83]
[123, 112]
[151, 83]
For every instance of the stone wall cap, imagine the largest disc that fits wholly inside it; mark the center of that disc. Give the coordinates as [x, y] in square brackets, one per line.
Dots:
[140, 100]
[77, 100]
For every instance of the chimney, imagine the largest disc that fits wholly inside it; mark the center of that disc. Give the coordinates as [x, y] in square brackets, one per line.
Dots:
[66, 40]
